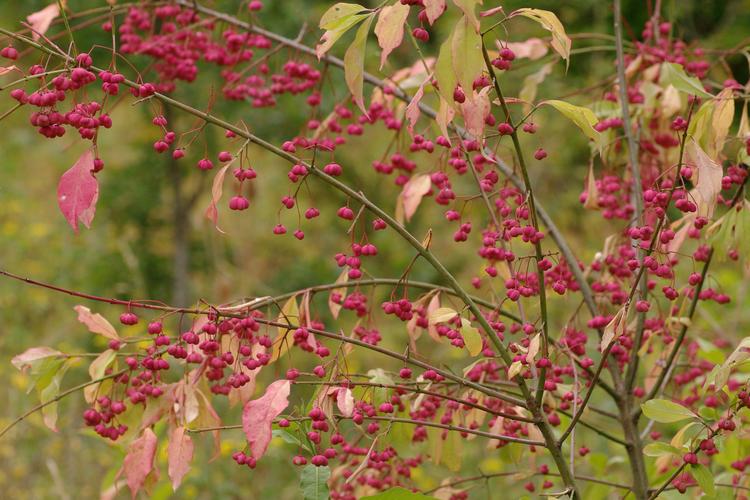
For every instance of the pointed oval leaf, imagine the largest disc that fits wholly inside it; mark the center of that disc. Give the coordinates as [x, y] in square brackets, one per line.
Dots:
[258, 415]
[314, 482]
[41, 20]
[78, 191]
[674, 74]
[390, 28]
[179, 455]
[354, 64]
[665, 411]
[139, 462]
[561, 43]
[441, 315]
[433, 9]
[96, 323]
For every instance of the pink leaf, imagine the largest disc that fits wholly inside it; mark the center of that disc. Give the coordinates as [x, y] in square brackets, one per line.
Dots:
[40, 21]
[4, 70]
[258, 415]
[29, 356]
[474, 110]
[179, 455]
[708, 183]
[390, 28]
[533, 48]
[434, 8]
[345, 402]
[491, 12]
[78, 191]
[413, 192]
[96, 323]
[212, 212]
[412, 110]
[139, 462]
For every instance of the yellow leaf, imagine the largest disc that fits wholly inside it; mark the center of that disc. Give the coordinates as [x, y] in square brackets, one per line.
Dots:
[466, 54]
[441, 315]
[390, 28]
[354, 63]
[584, 118]
[561, 43]
[472, 338]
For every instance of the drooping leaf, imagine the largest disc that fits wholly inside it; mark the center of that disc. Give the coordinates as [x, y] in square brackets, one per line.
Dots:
[659, 449]
[78, 191]
[258, 415]
[390, 28]
[705, 479]
[412, 109]
[584, 118]
[466, 56]
[333, 306]
[531, 48]
[48, 392]
[139, 462]
[531, 85]
[561, 43]
[345, 401]
[354, 64]
[314, 482]
[41, 20]
[338, 14]
[433, 9]
[444, 73]
[179, 455]
[413, 192]
[708, 179]
[474, 110]
[614, 329]
[592, 193]
[99, 366]
[472, 338]
[212, 212]
[665, 411]
[96, 323]
[721, 120]
[674, 74]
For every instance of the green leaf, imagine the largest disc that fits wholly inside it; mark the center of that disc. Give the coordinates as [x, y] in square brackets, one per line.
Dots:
[48, 393]
[705, 478]
[584, 118]
[664, 411]
[338, 15]
[444, 73]
[472, 338]
[561, 43]
[659, 449]
[314, 482]
[466, 52]
[398, 493]
[354, 63]
[674, 74]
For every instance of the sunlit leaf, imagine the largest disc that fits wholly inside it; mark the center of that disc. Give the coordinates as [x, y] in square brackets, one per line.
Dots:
[665, 411]
[354, 64]
[389, 29]
[674, 74]
[561, 43]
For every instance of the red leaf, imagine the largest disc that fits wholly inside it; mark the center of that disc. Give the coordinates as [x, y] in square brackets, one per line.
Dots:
[78, 191]
[216, 190]
[258, 415]
[41, 20]
[179, 455]
[139, 462]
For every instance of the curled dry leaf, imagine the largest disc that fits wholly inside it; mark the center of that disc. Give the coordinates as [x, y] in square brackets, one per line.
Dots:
[41, 20]
[614, 328]
[474, 110]
[412, 110]
[258, 415]
[212, 212]
[345, 401]
[96, 323]
[592, 194]
[708, 182]
[78, 191]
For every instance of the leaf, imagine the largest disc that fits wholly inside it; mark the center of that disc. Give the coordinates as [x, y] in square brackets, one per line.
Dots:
[258, 415]
[665, 411]
[531, 85]
[584, 118]
[290, 315]
[704, 477]
[514, 369]
[338, 14]
[614, 328]
[139, 462]
[49, 388]
[467, 7]
[674, 74]
[441, 315]
[397, 493]
[412, 109]
[472, 338]
[474, 110]
[413, 192]
[99, 366]
[41, 20]
[179, 455]
[4, 70]
[444, 73]
[721, 120]
[390, 28]
[533, 348]
[30, 357]
[532, 48]
[592, 193]
[688, 431]
[708, 182]
[314, 482]
[96, 323]
[466, 56]
[659, 449]
[444, 117]
[433, 9]
[561, 43]
[78, 191]
[354, 64]
[345, 401]
[212, 212]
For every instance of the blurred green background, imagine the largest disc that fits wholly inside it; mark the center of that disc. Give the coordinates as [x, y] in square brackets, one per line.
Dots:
[130, 251]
